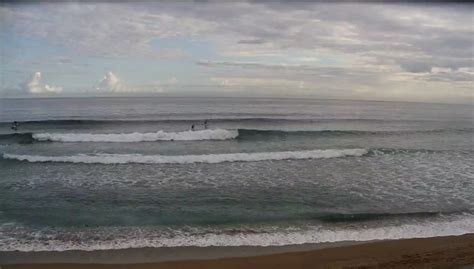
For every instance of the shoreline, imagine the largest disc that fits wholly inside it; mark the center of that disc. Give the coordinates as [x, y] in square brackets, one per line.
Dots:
[439, 252]
[159, 254]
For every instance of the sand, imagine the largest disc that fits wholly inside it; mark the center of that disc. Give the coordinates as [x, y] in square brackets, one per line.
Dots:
[436, 252]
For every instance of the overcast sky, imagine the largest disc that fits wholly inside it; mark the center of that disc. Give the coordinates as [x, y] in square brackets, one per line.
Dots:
[405, 52]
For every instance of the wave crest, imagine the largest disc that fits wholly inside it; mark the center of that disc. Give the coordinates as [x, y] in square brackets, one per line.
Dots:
[214, 134]
[19, 238]
[186, 159]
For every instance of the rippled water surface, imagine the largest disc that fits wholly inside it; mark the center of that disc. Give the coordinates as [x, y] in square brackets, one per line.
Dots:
[101, 173]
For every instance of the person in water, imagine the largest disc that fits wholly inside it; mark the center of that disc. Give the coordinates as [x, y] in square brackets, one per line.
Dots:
[192, 127]
[205, 124]
[15, 125]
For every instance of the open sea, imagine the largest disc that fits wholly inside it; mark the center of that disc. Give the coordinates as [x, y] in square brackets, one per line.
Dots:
[110, 173]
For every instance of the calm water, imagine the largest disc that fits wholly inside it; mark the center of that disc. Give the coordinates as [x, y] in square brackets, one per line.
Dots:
[95, 173]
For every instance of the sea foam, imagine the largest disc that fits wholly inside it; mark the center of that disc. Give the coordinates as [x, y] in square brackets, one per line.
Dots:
[186, 159]
[18, 238]
[211, 134]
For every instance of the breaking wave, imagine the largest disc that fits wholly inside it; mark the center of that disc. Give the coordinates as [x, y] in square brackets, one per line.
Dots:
[210, 134]
[19, 238]
[186, 159]
[215, 134]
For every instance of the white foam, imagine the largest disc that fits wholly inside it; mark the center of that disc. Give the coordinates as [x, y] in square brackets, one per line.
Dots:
[211, 134]
[20, 238]
[184, 159]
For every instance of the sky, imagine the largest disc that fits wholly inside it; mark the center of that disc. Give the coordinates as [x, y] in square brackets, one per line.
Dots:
[369, 51]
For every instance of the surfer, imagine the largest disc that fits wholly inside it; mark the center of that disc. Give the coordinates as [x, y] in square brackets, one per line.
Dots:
[205, 124]
[15, 125]
[192, 127]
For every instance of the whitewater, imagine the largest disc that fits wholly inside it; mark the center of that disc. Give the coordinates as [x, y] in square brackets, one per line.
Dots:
[186, 159]
[215, 134]
[265, 172]
[139, 237]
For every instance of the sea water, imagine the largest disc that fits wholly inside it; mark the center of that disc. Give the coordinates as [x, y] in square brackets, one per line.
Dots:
[108, 173]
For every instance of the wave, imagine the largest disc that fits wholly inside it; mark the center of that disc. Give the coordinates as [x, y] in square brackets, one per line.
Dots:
[346, 132]
[21, 138]
[215, 134]
[128, 122]
[355, 217]
[210, 134]
[210, 119]
[186, 159]
[18, 238]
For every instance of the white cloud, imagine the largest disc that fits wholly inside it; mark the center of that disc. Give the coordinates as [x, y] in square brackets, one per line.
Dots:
[111, 83]
[172, 81]
[267, 83]
[437, 35]
[318, 47]
[35, 85]
[437, 70]
[163, 86]
[104, 29]
[157, 87]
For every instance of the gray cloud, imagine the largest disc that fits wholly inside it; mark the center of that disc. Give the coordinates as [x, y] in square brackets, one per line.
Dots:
[431, 32]
[415, 67]
[349, 82]
[252, 41]
[65, 60]
[363, 46]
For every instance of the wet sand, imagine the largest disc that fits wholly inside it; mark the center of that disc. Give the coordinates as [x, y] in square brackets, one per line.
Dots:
[436, 252]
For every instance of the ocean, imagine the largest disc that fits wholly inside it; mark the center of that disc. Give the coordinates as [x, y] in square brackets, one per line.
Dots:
[112, 173]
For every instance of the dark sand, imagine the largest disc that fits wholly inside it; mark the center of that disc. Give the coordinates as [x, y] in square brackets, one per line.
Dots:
[436, 252]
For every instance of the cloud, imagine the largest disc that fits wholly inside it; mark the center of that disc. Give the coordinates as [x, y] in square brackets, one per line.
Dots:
[111, 83]
[162, 86]
[257, 82]
[64, 60]
[35, 85]
[415, 66]
[252, 41]
[370, 47]
[102, 29]
[172, 81]
[342, 82]
[389, 34]
[449, 75]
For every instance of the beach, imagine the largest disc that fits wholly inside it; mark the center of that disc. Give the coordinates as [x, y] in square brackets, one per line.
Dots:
[242, 134]
[436, 252]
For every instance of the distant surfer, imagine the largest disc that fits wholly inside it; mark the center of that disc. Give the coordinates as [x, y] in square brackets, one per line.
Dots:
[205, 124]
[192, 127]
[15, 125]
